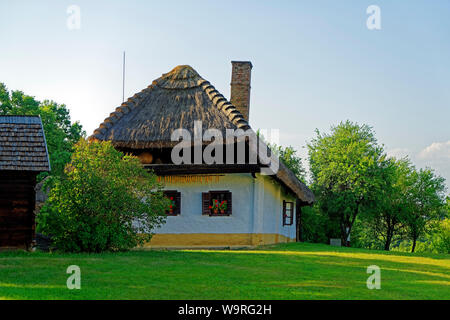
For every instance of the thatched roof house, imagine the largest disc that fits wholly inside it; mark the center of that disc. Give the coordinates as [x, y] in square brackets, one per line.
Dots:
[174, 101]
[143, 125]
[23, 155]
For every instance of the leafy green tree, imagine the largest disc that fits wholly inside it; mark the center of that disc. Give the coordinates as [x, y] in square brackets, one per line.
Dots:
[60, 133]
[365, 235]
[345, 172]
[103, 201]
[394, 200]
[440, 241]
[428, 201]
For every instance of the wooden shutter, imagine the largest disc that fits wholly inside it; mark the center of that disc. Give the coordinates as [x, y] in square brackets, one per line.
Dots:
[298, 221]
[177, 198]
[206, 199]
[229, 203]
[284, 212]
[291, 213]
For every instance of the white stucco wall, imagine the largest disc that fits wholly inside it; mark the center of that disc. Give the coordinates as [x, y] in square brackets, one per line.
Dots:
[256, 207]
[191, 219]
[269, 204]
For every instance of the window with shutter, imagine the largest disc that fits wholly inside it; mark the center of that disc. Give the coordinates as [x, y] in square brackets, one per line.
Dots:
[206, 199]
[175, 205]
[219, 203]
[288, 213]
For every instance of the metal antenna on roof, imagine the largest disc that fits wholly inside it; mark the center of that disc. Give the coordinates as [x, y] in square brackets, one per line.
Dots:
[123, 78]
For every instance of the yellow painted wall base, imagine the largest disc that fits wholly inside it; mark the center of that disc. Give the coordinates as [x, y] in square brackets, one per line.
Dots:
[192, 240]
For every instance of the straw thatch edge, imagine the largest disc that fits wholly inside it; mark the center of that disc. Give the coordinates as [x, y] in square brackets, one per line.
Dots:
[217, 99]
[123, 109]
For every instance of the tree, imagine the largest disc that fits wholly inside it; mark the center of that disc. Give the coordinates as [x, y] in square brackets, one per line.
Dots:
[394, 202]
[345, 172]
[428, 202]
[103, 201]
[440, 241]
[60, 133]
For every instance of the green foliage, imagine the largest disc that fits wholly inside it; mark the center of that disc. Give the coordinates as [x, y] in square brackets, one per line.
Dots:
[427, 201]
[366, 235]
[60, 133]
[436, 240]
[103, 201]
[386, 221]
[288, 155]
[409, 212]
[440, 241]
[316, 226]
[345, 172]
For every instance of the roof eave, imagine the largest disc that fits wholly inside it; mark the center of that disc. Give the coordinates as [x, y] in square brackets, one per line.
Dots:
[288, 178]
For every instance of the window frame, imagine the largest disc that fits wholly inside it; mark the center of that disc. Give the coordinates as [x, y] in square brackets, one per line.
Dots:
[177, 198]
[207, 198]
[287, 216]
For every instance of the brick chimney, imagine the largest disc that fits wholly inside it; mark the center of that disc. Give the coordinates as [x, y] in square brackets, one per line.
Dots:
[240, 86]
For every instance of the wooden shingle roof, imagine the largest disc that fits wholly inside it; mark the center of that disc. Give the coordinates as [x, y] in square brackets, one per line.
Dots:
[22, 144]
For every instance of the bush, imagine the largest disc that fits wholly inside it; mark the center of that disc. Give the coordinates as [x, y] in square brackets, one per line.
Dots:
[103, 201]
[316, 226]
[441, 238]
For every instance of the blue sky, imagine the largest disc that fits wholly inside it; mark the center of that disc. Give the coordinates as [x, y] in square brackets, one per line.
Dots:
[315, 62]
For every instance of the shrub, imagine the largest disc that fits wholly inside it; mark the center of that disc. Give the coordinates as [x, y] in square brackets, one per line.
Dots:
[103, 201]
[316, 226]
[441, 238]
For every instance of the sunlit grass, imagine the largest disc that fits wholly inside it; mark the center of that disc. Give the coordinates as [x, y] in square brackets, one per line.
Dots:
[357, 255]
[289, 271]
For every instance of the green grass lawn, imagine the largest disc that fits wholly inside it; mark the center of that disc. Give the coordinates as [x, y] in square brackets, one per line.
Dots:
[288, 271]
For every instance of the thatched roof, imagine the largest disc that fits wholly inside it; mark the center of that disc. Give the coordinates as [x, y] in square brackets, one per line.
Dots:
[22, 144]
[174, 101]
[288, 178]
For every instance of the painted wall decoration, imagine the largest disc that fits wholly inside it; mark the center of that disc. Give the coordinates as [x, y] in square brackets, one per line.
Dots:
[190, 179]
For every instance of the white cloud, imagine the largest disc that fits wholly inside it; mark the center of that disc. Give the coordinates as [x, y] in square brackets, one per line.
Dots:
[439, 151]
[436, 156]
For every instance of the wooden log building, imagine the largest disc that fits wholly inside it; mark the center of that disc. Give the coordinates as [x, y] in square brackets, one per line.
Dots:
[23, 155]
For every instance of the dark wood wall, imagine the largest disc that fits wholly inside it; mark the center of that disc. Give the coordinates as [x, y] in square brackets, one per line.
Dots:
[17, 204]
